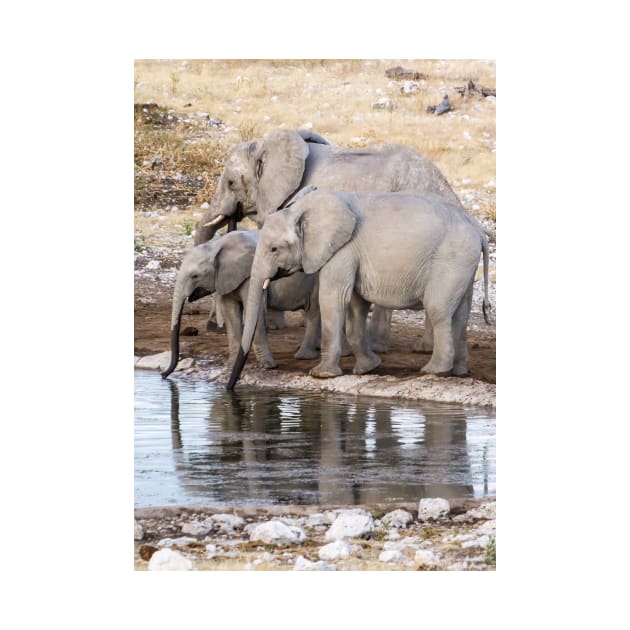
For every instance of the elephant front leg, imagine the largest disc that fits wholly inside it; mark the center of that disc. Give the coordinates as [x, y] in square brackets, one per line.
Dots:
[379, 328]
[356, 331]
[333, 307]
[232, 312]
[276, 320]
[312, 334]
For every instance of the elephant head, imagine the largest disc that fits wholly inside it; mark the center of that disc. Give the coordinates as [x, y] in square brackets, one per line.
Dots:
[301, 237]
[257, 179]
[220, 266]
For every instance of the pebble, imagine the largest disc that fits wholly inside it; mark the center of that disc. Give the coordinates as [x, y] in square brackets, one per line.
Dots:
[302, 564]
[424, 557]
[390, 555]
[397, 518]
[277, 533]
[337, 550]
[196, 529]
[169, 560]
[482, 541]
[211, 551]
[433, 509]
[138, 530]
[351, 524]
[227, 523]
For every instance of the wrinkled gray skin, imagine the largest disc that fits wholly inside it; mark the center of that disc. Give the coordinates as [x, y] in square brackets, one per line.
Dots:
[355, 242]
[259, 176]
[223, 266]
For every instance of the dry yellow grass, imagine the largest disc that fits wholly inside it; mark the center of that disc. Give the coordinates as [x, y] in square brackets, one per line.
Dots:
[334, 98]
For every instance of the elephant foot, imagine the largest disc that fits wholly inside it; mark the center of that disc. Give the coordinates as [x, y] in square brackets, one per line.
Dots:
[460, 369]
[423, 347]
[267, 364]
[306, 353]
[323, 370]
[439, 368]
[380, 346]
[366, 364]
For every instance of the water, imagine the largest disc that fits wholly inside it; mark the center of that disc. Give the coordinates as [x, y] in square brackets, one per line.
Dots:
[196, 443]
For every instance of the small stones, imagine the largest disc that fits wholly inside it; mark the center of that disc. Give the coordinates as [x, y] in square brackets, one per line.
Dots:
[433, 509]
[138, 530]
[390, 555]
[227, 523]
[397, 518]
[277, 533]
[196, 529]
[351, 524]
[211, 551]
[182, 541]
[153, 265]
[169, 560]
[337, 550]
[383, 103]
[303, 564]
[409, 87]
[425, 558]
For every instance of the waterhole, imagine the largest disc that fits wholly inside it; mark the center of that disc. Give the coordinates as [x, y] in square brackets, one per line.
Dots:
[196, 443]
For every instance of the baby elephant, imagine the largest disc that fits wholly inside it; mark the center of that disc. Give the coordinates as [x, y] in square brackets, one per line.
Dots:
[223, 266]
[396, 250]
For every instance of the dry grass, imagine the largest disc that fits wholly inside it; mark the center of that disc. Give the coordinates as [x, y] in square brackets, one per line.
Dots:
[253, 97]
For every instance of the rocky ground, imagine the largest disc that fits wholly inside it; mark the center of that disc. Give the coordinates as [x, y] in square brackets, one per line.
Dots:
[433, 535]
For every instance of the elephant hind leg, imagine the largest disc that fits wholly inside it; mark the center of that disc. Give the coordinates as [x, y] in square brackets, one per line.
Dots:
[356, 332]
[425, 345]
[379, 328]
[460, 323]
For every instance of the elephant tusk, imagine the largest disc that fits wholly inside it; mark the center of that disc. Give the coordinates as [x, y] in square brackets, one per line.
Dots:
[266, 283]
[215, 221]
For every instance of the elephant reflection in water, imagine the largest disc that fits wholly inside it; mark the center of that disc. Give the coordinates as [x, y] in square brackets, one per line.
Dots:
[330, 452]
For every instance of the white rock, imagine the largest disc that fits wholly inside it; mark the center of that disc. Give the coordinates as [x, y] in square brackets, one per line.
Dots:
[277, 533]
[489, 527]
[160, 362]
[482, 541]
[393, 535]
[205, 205]
[226, 522]
[424, 557]
[138, 530]
[274, 99]
[302, 564]
[211, 551]
[409, 87]
[337, 550]
[169, 560]
[383, 103]
[307, 125]
[433, 509]
[351, 524]
[391, 555]
[196, 529]
[153, 264]
[317, 519]
[397, 518]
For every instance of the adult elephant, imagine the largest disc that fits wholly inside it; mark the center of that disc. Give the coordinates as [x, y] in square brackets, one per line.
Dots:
[260, 176]
[363, 257]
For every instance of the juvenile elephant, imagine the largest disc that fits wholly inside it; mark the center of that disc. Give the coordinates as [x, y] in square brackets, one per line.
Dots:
[363, 256]
[259, 176]
[223, 266]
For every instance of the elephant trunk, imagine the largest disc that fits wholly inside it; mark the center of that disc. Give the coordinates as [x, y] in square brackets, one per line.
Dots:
[256, 302]
[219, 214]
[179, 298]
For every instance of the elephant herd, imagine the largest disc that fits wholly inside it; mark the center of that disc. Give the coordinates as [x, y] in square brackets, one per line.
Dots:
[340, 230]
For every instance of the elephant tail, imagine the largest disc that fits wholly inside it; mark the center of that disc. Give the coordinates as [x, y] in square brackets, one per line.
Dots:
[486, 302]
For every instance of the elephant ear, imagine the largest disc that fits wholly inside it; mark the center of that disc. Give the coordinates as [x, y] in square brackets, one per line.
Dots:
[326, 223]
[233, 262]
[279, 163]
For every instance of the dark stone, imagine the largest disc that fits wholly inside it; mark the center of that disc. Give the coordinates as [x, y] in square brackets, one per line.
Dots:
[403, 74]
[146, 551]
[190, 331]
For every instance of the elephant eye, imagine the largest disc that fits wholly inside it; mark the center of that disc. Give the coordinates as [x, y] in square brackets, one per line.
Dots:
[274, 249]
[230, 183]
[259, 169]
